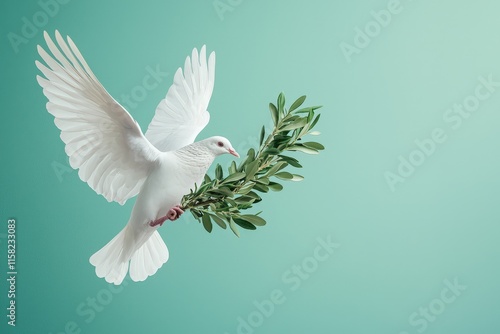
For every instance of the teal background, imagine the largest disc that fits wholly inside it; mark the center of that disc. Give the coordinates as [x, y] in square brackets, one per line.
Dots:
[396, 248]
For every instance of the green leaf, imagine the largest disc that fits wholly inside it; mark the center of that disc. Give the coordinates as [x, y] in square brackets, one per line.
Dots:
[253, 195]
[218, 172]
[303, 132]
[275, 186]
[304, 110]
[274, 113]
[262, 135]
[297, 177]
[223, 191]
[196, 214]
[251, 169]
[290, 118]
[297, 103]
[315, 121]
[281, 104]
[303, 149]
[272, 151]
[314, 145]
[251, 155]
[231, 202]
[292, 161]
[253, 219]
[314, 133]
[262, 188]
[246, 188]
[205, 186]
[244, 200]
[263, 180]
[279, 165]
[244, 224]
[284, 175]
[249, 158]
[310, 116]
[207, 224]
[232, 168]
[298, 123]
[234, 228]
[282, 137]
[219, 221]
[307, 109]
[244, 206]
[234, 177]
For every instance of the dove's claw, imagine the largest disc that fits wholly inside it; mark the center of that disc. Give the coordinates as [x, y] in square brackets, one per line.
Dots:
[158, 221]
[172, 215]
[175, 212]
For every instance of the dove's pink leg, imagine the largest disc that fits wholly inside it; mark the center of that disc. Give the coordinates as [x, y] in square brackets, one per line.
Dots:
[172, 215]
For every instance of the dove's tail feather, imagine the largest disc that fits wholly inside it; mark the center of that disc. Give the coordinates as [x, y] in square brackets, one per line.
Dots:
[112, 261]
[148, 258]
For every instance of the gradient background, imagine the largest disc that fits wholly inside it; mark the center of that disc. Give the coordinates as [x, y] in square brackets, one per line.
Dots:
[397, 247]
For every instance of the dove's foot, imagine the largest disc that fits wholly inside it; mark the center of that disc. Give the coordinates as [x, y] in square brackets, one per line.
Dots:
[172, 215]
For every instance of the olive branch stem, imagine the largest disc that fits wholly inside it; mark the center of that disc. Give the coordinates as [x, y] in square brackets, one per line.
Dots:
[222, 199]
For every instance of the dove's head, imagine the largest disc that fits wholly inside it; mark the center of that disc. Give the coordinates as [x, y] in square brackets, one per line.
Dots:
[220, 145]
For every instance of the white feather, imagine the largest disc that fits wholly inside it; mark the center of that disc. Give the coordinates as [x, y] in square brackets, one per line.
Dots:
[102, 140]
[112, 155]
[182, 114]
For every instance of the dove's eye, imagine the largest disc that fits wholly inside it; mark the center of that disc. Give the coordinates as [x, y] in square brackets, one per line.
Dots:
[221, 144]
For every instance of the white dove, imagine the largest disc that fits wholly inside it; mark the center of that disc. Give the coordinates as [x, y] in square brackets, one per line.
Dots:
[118, 161]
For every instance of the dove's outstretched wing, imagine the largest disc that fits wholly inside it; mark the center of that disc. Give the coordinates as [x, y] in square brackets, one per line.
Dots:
[182, 114]
[102, 140]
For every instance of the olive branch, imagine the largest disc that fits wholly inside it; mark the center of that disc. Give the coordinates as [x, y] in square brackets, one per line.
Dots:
[222, 199]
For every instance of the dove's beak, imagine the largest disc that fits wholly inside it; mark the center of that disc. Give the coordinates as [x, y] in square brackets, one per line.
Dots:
[233, 152]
